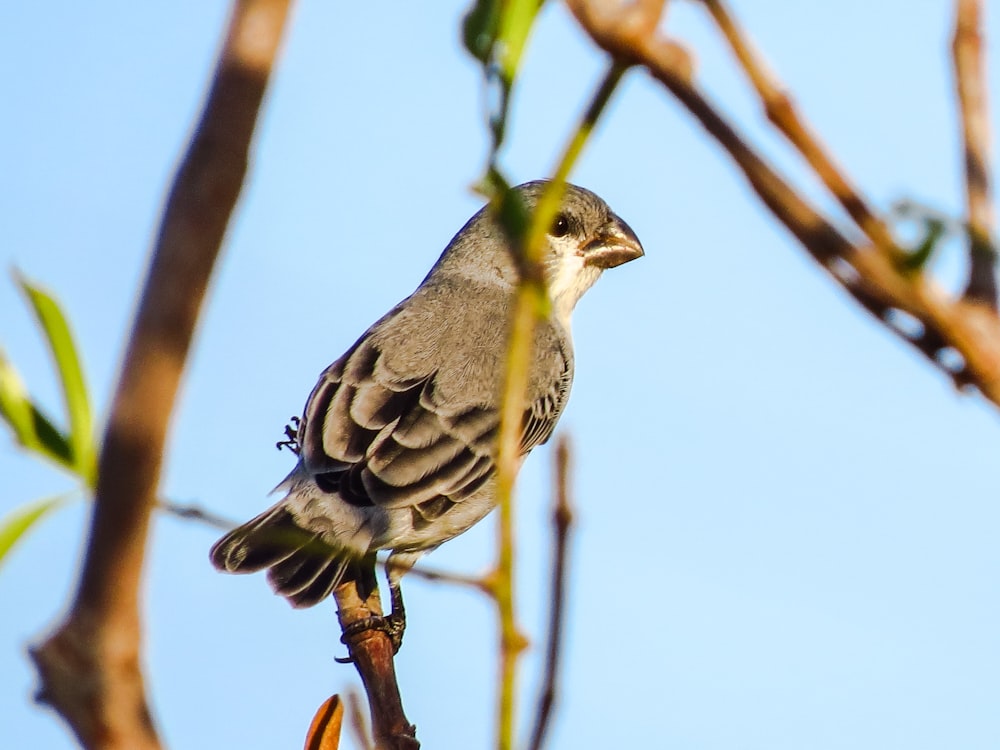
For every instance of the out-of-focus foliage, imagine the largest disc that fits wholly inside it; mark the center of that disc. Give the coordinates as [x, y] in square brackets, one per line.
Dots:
[74, 448]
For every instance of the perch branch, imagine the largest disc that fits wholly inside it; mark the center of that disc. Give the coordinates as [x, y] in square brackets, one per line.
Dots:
[372, 653]
[970, 81]
[90, 667]
[875, 280]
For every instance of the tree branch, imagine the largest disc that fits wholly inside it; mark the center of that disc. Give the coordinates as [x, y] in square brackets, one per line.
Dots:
[781, 111]
[195, 513]
[562, 520]
[876, 280]
[359, 729]
[372, 654]
[970, 82]
[531, 305]
[90, 667]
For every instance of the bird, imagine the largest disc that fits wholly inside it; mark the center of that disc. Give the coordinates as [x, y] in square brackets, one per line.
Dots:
[397, 442]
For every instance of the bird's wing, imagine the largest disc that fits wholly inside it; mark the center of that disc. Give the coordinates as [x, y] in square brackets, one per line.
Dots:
[378, 436]
[543, 412]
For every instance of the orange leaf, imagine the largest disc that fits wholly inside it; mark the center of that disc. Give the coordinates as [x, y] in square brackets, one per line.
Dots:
[324, 732]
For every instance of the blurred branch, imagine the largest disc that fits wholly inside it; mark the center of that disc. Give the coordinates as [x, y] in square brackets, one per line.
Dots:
[970, 80]
[562, 520]
[436, 575]
[90, 667]
[358, 726]
[879, 282]
[531, 305]
[194, 513]
[781, 111]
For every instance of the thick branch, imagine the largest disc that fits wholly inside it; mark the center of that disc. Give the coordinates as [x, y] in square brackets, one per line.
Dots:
[372, 653]
[970, 80]
[90, 668]
[872, 278]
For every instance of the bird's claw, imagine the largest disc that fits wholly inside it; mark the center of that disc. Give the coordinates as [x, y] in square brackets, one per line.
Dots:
[393, 625]
[292, 436]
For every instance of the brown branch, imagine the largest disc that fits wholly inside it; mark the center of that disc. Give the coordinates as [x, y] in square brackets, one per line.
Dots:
[970, 81]
[372, 654]
[562, 520]
[872, 278]
[781, 111]
[90, 667]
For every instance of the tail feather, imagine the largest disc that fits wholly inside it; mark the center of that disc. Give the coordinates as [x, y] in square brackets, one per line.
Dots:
[310, 583]
[300, 571]
[259, 543]
[303, 568]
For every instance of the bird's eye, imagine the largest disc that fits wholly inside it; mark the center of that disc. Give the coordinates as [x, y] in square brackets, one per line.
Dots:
[560, 227]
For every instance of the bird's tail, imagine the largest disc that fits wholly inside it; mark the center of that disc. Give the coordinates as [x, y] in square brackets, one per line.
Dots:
[300, 565]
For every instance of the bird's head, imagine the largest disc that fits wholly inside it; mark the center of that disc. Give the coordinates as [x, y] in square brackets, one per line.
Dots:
[585, 238]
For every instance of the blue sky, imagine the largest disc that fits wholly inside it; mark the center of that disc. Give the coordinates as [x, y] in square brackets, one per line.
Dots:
[787, 520]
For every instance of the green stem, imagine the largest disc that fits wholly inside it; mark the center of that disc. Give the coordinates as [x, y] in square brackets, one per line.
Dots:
[531, 305]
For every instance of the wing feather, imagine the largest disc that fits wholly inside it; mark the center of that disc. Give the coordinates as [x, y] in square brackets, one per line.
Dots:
[393, 436]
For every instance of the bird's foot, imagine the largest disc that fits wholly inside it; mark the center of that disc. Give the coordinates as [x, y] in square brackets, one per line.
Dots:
[393, 625]
[291, 436]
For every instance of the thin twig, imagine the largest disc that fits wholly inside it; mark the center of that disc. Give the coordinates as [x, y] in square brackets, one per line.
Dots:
[562, 520]
[195, 513]
[970, 81]
[359, 727]
[90, 667]
[436, 575]
[873, 279]
[784, 116]
[531, 305]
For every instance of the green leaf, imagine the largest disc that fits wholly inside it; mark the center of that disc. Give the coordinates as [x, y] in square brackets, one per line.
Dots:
[17, 523]
[510, 209]
[64, 354]
[917, 258]
[15, 406]
[516, 20]
[479, 29]
[495, 33]
[32, 429]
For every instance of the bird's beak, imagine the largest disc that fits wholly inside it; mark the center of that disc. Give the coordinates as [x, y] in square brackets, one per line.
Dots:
[615, 244]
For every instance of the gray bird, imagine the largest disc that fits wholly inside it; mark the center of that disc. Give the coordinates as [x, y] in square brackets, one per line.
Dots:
[397, 443]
